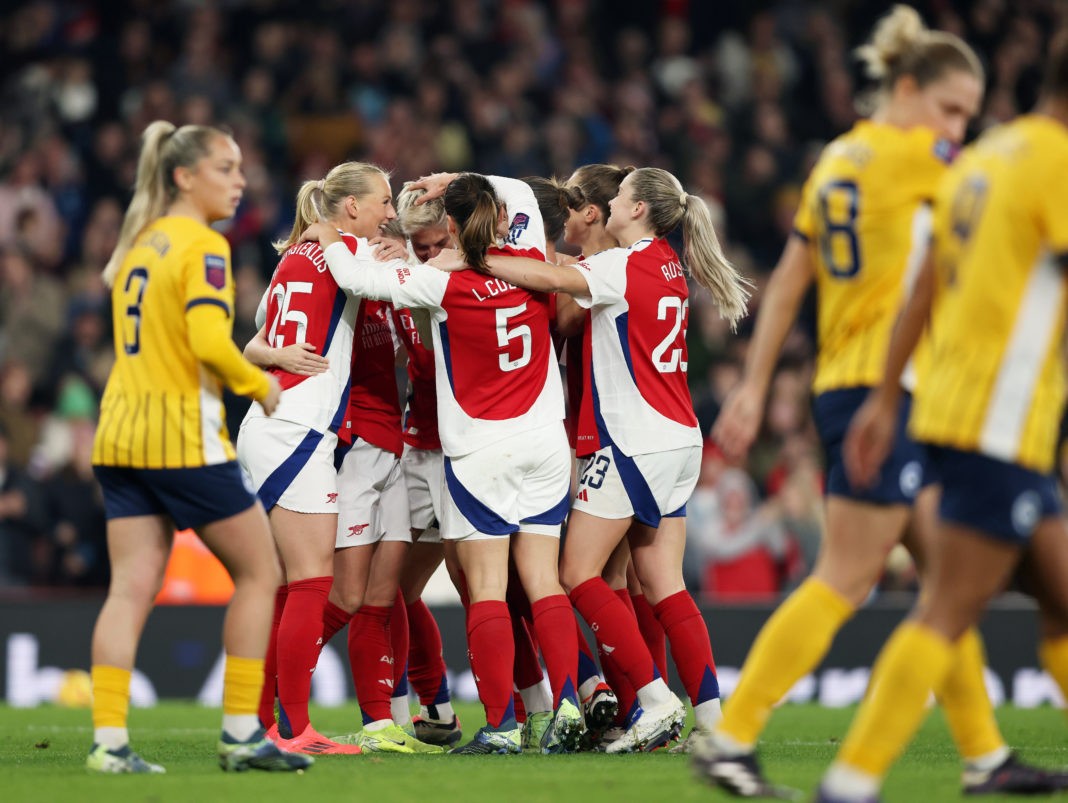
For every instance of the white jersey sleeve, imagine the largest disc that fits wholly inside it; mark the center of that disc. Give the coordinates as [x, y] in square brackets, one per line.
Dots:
[525, 226]
[396, 281]
[606, 275]
[261, 310]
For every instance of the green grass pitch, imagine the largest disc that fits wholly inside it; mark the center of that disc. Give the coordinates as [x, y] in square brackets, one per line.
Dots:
[42, 754]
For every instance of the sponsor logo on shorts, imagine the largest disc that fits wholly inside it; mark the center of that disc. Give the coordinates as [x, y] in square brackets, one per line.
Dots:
[582, 496]
[331, 499]
[911, 478]
[1026, 511]
[357, 529]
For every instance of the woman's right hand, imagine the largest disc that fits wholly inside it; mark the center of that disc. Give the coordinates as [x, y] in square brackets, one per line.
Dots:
[739, 420]
[869, 439]
[274, 393]
[321, 233]
[300, 359]
[434, 184]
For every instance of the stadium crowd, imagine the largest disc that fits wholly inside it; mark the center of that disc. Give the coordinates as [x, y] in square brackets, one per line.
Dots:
[734, 98]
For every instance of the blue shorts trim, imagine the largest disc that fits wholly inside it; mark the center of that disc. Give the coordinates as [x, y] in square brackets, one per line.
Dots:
[280, 479]
[903, 474]
[1002, 500]
[554, 515]
[192, 497]
[646, 510]
[482, 517]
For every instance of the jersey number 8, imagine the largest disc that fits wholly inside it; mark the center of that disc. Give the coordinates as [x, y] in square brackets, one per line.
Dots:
[839, 206]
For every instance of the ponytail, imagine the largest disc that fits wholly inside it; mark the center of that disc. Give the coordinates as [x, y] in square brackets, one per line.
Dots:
[902, 45]
[163, 149]
[322, 200]
[472, 203]
[707, 263]
[669, 205]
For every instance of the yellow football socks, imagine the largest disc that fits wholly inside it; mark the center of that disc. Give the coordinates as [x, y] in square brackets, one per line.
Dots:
[111, 696]
[914, 661]
[789, 646]
[242, 682]
[1053, 653]
[964, 700]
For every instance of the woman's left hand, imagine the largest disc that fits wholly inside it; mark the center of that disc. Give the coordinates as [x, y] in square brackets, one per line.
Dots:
[387, 248]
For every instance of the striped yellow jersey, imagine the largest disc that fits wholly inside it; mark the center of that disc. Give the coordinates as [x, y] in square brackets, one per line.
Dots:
[161, 407]
[865, 212]
[996, 381]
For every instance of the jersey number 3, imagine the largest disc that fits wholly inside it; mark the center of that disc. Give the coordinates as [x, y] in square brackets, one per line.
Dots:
[839, 208]
[132, 336]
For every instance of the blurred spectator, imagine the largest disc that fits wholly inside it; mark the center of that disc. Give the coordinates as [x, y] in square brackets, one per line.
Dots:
[741, 552]
[22, 522]
[77, 528]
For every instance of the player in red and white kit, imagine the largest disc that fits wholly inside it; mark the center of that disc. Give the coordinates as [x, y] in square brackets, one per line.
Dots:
[290, 458]
[500, 411]
[425, 229]
[641, 436]
[373, 537]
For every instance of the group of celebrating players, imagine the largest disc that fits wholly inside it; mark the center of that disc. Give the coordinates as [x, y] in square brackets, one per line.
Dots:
[363, 502]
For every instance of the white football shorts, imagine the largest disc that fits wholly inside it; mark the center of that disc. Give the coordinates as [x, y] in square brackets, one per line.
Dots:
[522, 482]
[289, 465]
[373, 499]
[646, 486]
[424, 474]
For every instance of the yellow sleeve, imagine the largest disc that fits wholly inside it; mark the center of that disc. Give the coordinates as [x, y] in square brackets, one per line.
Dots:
[210, 331]
[1053, 200]
[931, 157]
[803, 222]
[206, 275]
[208, 298]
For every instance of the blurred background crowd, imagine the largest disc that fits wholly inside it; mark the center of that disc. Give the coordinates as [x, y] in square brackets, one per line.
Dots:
[736, 97]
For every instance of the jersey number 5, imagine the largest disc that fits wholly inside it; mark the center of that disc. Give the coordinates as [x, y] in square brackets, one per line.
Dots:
[668, 362]
[505, 336]
[132, 339]
[839, 208]
[283, 295]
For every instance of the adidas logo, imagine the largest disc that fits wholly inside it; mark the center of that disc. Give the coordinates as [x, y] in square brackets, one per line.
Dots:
[315, 747]
[386, 682]
[582, 496]
[607, 649]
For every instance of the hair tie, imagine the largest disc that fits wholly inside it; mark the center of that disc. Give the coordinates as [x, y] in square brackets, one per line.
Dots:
[321, 185]
[682, 199]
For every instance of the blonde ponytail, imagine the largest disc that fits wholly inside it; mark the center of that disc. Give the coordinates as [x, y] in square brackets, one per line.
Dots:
[902, 45]
[708, 264]
[163, 149]
[669, 205]
[322, 200]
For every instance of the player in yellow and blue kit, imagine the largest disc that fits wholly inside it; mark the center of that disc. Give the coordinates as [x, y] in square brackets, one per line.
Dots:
[987, 406]
[162, 454]
[861, 233]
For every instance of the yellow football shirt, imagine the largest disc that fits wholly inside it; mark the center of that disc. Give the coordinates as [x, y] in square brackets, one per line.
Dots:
[162, 407]
[865, 212]
[996, 381]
